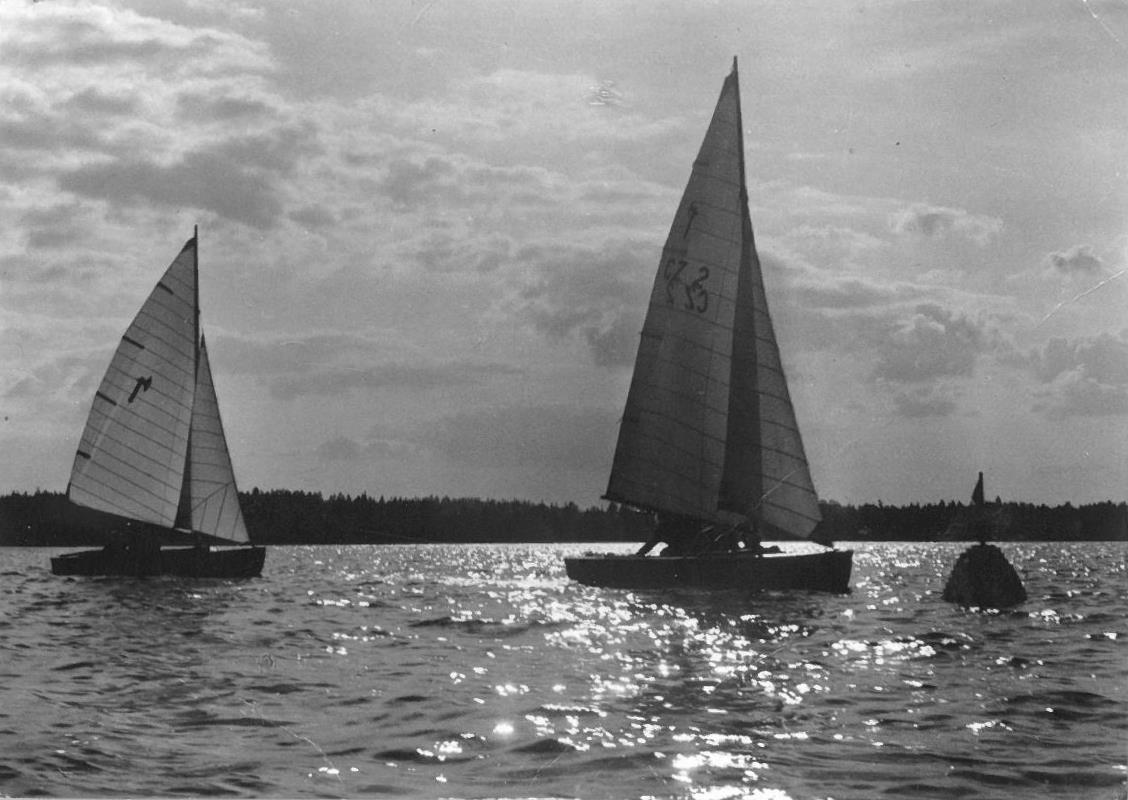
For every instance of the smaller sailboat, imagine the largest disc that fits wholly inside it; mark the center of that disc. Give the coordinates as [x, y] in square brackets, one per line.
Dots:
[981, 520]
[709, 441]
[153, 453]
[982, 577]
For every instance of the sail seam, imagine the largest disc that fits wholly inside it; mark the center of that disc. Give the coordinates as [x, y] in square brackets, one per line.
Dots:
[791, 512]
[170, 345]
[705, 436]
[113, 492]
[128, 448]
[163, 367]
[113, 460]
[703, 169]
[136, 429]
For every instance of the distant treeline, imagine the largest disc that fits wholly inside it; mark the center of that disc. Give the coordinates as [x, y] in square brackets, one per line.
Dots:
[294, 517]
[1013, 522]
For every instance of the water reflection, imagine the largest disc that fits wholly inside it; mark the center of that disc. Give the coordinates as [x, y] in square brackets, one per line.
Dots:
[482, 671]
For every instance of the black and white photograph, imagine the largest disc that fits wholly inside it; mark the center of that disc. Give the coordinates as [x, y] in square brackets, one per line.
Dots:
[691, 400]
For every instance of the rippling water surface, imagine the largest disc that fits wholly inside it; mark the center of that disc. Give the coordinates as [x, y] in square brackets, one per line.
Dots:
[481, 671]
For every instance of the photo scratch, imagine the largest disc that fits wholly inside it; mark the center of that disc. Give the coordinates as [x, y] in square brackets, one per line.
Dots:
[1101, 22]
[1083, 294]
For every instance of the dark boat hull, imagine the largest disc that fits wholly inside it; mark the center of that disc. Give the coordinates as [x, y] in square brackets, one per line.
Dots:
[815, 572]
[188, 562]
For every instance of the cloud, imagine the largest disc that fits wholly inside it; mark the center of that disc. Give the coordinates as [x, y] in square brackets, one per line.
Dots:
[47, 36]
[137, 110]
[338, 449]
[193, 107]
[931, 343]
[551, 437]
[430, 180]
[94, 102]
[342, 448]
[298, 353]
[409, 184]
[526, 108]
[313, 216]
[1086, 377]
[935, 221]
[443, 252]
[848, 292]
[597, 293]
[834, 244]
[202, 180]
[1072, 394]
[917, 402]
[237, 178]
[1102, 358]
[1077, 260]
[55, 227]
[615, 345]
[413, 377]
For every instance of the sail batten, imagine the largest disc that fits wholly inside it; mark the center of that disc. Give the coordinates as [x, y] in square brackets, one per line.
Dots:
[709, 428]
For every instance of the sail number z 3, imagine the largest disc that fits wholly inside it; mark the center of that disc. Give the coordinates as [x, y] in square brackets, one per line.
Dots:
[693, 295]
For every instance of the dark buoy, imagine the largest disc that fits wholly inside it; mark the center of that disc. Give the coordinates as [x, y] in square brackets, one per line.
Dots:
[982, 576]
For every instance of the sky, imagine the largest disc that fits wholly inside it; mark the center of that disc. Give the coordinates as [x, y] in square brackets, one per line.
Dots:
[428, 230]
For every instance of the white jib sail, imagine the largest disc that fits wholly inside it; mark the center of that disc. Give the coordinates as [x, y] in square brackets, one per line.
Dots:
[131, 457]
[214, 497]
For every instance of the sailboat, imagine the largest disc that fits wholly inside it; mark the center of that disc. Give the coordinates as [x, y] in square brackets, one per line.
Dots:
[708, 440]
[153, 453]
[981, 520]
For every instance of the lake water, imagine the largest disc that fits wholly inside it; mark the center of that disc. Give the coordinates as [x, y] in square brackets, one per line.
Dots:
[482, 671]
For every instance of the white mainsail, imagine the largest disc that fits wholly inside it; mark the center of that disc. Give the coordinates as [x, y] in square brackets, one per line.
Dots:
[709, 429]
[153, 448]
[131, 457]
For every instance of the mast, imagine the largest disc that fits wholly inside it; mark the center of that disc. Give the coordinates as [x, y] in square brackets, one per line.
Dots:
[742, 476]
[196, 294]
[184, 508]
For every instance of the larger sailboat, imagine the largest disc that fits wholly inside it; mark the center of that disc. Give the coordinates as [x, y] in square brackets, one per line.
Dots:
[153, 453]
[709, 440]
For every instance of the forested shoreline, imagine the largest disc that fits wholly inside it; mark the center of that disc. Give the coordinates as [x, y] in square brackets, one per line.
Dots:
[280, 516]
